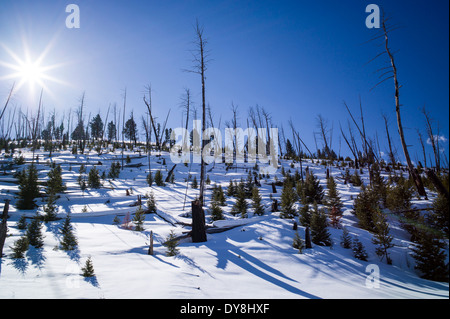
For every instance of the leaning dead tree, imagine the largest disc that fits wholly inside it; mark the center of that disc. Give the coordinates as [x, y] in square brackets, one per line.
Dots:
[390, 72]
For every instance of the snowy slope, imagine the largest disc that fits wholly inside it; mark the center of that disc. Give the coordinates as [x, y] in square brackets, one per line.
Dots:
[253, 260]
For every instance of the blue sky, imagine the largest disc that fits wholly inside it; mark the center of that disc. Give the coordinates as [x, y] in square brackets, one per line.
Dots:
[297, 59]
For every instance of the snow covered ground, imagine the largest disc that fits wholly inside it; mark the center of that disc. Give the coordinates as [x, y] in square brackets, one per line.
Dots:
[253, 260]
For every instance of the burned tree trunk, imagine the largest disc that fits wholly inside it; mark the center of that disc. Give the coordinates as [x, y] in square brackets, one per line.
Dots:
[3, 226]
[198, 222]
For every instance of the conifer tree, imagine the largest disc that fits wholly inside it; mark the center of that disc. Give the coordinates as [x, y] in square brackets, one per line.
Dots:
[22, 222]
[288, 199]
[171, 245]
[151, 203]
[34, 233]
[231, 189]
[50, 208]
[28, 188]
[194, 183]
[159, 178]
[139, 218]
[68, 240]
[365, 206]
[358, 249]
[382, 237]
[346, 239]
[312, 191]
[305, 215]
[150, 179]
[256, 202]
[430, 257]
[319, 232]
[88, 269]
[378, 183]
[55, 182]
[241, 205]
[20, 247]
[216, 211]
[298, 242]
[94, 178]
[219, 196]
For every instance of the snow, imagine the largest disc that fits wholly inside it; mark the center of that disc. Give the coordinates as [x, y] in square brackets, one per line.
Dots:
[255, 259]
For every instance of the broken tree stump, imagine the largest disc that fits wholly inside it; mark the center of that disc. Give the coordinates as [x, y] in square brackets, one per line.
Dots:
[307, 238]
[275, 205]
[150, 247]
[198, 222]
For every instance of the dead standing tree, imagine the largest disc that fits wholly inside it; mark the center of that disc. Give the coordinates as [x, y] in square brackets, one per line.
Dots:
[391, 73]
[200, 61]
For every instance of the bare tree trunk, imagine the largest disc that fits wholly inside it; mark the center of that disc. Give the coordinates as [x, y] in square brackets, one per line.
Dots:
[3, 226]
[412, 171]
[391, 153]
[432, 138]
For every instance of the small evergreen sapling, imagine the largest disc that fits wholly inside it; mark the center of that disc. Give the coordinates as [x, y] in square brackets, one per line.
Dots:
[358, 250]
[138, 219]
[319, 232]
[20, 247]
[256, 202]
[382, 237]
[298, 243]
[151, 203]
[346, 239]
[68, 240]
[171, 244]
[88, 270]
[34, 233]
[241, 205]
[94, 178]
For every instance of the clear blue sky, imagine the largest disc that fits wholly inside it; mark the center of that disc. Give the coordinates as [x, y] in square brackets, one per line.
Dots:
[297, 59]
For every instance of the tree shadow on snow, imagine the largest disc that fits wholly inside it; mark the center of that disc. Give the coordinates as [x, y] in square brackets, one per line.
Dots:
[232, 253]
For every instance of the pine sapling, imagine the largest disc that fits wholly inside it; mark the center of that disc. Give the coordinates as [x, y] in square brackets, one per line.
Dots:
[88, 269]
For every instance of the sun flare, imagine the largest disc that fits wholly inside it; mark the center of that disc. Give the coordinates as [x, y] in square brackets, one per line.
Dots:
[28, 71]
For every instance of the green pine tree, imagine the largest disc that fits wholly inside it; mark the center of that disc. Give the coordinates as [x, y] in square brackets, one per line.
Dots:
[305, 215]
[430, 257]
[138, 219]
[216, 211]
[288, 200]
[311, 190]
[94, 178]
[34, 232]
[68, 240]
[358, 250]
[382, 237]
[241, 205]
[88, 269]
[159, 181]
[151, 203]
[256, 202]
[194, 183]
[28, 188]
[319, 231]
[55, 182]
[346, 239]
[20, 247]
[50, 208]
[298, 243]
[365, 206]
[171, 244]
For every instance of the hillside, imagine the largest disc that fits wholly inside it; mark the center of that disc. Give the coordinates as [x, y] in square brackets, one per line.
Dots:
[255, 259]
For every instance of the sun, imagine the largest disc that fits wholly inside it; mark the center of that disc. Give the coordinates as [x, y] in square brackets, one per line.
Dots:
[28, 70]
[31, 72]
